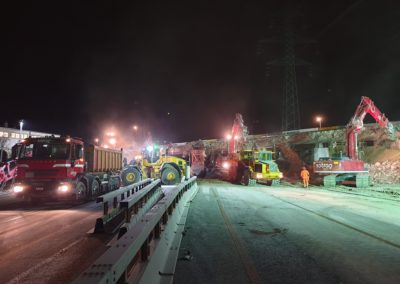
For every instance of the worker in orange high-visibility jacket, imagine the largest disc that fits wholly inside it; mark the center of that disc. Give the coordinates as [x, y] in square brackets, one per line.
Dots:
[305, 176]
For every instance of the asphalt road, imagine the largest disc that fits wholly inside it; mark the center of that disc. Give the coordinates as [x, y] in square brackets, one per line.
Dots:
[47, 243]
[282, 234]
[234, 234]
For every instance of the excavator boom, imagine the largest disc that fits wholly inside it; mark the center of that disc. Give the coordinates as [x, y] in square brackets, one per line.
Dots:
[239, 132]
[356, 123]
[351, 170]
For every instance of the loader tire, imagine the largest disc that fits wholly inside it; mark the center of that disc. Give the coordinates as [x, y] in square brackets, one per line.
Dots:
[245, 177]
[170, 175]
[130, 175]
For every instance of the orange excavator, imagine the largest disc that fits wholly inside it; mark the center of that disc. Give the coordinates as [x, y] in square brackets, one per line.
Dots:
[228, 165]
[350, 169]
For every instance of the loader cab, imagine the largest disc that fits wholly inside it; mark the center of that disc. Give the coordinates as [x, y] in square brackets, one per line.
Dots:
[265, 156]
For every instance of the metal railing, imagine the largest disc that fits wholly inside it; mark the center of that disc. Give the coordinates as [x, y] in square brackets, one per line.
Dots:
[113, 198]
[116, 263]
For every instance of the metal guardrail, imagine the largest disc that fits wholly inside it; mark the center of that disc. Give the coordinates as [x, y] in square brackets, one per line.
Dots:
[114, 197]
[116, 263]
[145, 199]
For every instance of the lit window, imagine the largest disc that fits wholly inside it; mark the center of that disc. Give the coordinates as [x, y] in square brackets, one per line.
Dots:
[5, 134]
[1, 133]
[12, 135]
[17, 135]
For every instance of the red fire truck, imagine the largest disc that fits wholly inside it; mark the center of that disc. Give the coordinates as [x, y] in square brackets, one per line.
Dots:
[65, 168]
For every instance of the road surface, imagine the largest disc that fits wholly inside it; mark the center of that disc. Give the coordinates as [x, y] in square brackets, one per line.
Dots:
[234, 234]
[260, 234]
[47, 243]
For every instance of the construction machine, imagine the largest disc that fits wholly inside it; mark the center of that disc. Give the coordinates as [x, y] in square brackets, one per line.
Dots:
[247, 166]
[258, 167]
[351, 169]
[169, 169]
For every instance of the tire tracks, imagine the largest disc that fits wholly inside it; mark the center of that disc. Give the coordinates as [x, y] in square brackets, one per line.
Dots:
[245, 258]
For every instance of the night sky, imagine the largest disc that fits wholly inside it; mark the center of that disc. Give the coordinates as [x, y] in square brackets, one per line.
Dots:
[77, 67]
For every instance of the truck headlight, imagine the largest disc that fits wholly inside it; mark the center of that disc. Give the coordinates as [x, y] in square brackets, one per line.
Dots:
[225, 165]
[259, 175]
[280, 175]
[18, 188]
[63, 187]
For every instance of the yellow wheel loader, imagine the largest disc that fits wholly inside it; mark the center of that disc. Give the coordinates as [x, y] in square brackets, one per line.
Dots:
[169, 169]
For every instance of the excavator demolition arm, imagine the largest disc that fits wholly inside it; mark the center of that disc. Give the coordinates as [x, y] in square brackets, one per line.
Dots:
[356, 123]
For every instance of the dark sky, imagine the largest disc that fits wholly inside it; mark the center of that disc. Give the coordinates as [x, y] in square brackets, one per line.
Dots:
[75, 67]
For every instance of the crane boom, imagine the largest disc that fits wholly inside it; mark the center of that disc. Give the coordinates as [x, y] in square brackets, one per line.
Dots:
[356, 123]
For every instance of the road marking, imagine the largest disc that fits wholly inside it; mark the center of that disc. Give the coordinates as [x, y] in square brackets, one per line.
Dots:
[243, 254]
[24, 274]
[341, 223]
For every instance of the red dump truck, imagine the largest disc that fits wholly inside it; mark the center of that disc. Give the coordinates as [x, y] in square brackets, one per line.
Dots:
[65, 168]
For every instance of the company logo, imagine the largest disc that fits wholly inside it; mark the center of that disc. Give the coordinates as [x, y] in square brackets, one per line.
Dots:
[325, 166]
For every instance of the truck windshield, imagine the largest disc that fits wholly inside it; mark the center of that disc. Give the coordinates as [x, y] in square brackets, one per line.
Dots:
[44, 151]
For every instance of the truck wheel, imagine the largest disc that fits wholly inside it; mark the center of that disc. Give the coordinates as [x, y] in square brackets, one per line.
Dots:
[170, 175]
[95, 187]
[246, 177]
[81, 191]
[130, 175]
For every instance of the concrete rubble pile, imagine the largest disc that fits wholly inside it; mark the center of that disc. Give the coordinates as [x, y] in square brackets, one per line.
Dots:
[386, 172]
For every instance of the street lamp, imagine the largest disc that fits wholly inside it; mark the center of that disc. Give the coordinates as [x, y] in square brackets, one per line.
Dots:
[112, 141]
[319, 120]
[135, 127]
[21, 124]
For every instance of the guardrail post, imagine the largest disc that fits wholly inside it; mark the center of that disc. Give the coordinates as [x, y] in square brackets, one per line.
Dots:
[165, 218]
[115, 202]
[170, 210]
[144, 250]
[105, 208]
[122, 196]
[157, 231]
[128, 214]
[122, 279]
